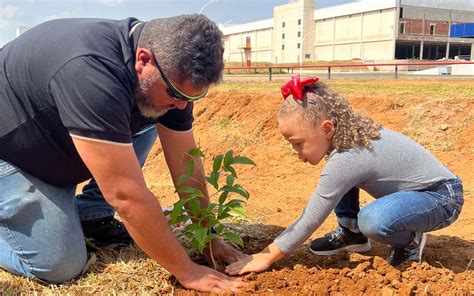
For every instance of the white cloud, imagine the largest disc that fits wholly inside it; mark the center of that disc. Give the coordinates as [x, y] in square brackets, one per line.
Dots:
[110, 2]
[62, 14]
[10, 11]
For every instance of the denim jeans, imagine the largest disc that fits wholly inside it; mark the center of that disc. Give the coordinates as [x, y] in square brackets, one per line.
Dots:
[395, 219]
[40, 230]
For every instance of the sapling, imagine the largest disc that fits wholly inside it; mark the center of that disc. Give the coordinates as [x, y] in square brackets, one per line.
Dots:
[207, 222]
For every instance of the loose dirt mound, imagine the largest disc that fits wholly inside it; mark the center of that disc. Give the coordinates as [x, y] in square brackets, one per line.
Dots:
[280, 187]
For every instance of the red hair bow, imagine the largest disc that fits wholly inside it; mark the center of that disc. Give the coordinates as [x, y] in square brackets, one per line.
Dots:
[295, 86]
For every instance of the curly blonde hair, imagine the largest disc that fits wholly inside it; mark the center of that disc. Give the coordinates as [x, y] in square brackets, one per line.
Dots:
[322, 103]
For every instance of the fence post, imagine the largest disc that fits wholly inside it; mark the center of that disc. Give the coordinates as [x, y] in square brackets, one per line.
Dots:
[396, 71]
[329, 72]
[270, 74]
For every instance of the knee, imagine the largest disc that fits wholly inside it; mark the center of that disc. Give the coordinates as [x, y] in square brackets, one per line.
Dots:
[60, 268]
[371, 223]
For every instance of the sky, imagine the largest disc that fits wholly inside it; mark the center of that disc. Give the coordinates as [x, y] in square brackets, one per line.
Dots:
[228, 12]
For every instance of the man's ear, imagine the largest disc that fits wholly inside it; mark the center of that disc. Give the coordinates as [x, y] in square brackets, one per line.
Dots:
[143, 58]
[328, 128]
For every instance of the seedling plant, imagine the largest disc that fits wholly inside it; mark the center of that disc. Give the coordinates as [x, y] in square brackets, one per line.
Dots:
[207, 222]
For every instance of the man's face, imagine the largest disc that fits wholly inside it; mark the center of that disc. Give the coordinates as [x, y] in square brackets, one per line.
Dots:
[154, 101]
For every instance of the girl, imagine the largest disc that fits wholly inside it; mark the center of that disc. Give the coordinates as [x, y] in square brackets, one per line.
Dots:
[414, 192]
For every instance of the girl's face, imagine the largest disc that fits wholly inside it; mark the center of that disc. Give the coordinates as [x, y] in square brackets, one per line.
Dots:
[311, 143]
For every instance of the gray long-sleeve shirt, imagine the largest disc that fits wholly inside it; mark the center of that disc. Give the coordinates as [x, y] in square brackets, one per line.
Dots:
[394, 163]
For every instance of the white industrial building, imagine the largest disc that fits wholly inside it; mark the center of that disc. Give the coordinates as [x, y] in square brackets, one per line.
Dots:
[374, 30]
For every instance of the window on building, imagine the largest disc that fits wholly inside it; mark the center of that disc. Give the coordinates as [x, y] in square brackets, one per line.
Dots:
[299, 22]
[307, 56]
[283, 47]
[283, 24]
[432, 29]
[299, 33]
[283, 36]
[298, 45]
[401, 12]
[402, 28]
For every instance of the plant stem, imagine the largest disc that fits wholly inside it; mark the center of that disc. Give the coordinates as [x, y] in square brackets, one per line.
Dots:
[212, 256]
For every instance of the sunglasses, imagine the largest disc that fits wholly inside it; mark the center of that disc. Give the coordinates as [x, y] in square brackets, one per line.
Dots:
[172, 91]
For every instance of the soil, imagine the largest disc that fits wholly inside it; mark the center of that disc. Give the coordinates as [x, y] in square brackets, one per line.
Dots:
[280, 186]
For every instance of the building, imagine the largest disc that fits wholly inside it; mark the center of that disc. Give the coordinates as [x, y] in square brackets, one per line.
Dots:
[369, 30]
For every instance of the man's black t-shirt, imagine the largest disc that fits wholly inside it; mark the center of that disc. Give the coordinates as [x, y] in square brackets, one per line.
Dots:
[70, 76]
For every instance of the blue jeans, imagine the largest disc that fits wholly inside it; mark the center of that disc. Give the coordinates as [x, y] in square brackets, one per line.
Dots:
[395, 219]
[40, 230]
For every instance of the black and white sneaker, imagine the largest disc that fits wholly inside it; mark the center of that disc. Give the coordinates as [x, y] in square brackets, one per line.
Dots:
[340, 240]
[398, 256]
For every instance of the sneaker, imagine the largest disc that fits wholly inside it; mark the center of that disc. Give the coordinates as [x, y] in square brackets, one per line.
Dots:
[340, 240]
[399, 256]
[106, 231]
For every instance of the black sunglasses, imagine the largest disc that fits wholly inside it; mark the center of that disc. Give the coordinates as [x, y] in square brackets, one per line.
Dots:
[172, 90]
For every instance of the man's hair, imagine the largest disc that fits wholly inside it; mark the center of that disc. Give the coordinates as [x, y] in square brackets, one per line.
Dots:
[321, 103]
[188, 47]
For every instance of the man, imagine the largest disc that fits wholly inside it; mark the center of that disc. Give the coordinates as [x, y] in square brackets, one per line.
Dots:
[79, 98]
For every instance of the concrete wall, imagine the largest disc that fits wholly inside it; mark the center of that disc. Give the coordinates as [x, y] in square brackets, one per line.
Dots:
[358, 36]
[260, 42]
[288, 20]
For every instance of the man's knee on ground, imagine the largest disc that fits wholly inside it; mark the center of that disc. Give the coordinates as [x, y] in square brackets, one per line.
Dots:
[61, 268]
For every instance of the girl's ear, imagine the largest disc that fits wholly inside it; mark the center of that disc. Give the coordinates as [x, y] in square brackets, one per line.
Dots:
[328, 128]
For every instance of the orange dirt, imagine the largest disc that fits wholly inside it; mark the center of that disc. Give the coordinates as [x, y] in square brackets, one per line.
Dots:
[280, 186]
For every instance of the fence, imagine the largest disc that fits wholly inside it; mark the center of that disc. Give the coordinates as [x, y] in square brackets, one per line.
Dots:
[329, 67]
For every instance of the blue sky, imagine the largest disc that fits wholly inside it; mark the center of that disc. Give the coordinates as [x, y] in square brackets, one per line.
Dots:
[32, 12]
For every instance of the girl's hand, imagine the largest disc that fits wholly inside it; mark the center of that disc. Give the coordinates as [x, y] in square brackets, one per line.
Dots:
[257, 262]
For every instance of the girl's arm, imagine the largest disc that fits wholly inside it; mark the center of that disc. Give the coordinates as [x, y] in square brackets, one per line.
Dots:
[257, 262]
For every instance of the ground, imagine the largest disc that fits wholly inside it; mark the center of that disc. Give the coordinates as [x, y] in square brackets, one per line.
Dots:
[436, 113]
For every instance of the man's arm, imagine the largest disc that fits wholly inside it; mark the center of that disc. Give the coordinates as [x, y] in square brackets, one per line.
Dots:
[119, 176]
[175, 146]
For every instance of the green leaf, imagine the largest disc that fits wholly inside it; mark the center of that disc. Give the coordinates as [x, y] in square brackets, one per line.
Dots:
[195, 207]
[213, 179]
[182, 179]
[243, 160]
[190, 167]
[192, 227]
[231, 170]
[235, 202]
[200, 236]
[190, 190]
[195, 152]
[223, 212]
[223, 197]
[230, 180]
[239, 210]
[219, 229]
[233, 237]
[217, 162]
[236, 189]
[228, 158]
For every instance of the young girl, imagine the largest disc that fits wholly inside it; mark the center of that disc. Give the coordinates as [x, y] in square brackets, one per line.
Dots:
[414, 192]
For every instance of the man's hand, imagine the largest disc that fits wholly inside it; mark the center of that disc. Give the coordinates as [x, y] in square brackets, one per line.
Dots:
[205, 279]
[223, 252]
[257, 262]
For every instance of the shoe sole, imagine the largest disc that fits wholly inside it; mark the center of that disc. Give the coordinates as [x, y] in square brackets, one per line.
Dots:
[359, 248]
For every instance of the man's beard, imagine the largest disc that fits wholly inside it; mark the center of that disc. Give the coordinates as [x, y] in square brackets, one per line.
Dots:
[142, 98]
